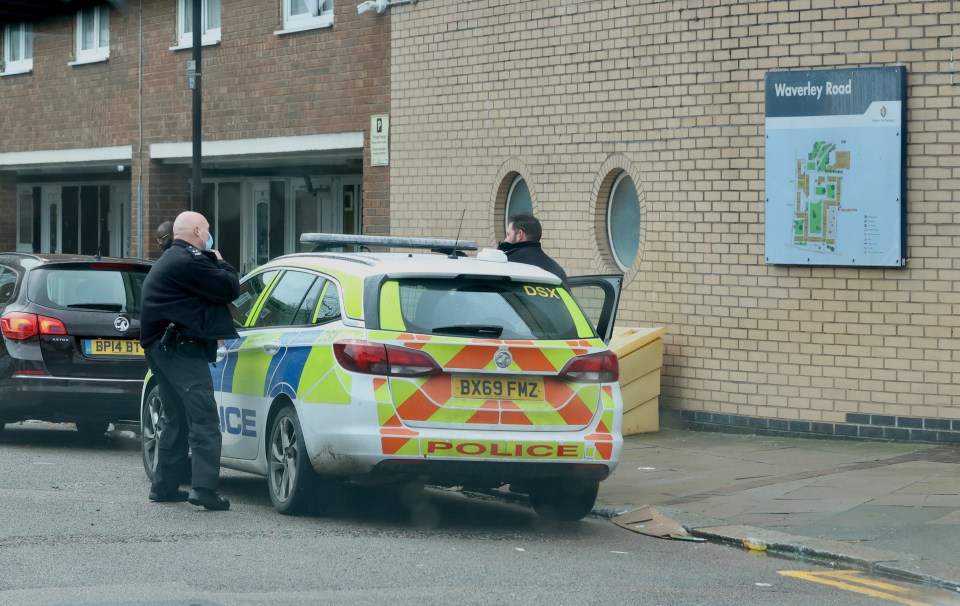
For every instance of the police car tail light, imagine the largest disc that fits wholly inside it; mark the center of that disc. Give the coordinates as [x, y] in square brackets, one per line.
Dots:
[379, 359]
[20, 326]
[600, 367]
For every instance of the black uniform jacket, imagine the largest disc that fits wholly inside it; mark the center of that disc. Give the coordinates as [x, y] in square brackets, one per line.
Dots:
[531, 253]
[191, 288]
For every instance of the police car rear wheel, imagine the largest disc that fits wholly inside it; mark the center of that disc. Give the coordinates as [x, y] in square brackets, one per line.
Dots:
[563, 500]
[291, 478]
[151, 426]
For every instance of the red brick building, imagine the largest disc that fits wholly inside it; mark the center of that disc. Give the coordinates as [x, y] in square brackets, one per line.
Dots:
[96, 123]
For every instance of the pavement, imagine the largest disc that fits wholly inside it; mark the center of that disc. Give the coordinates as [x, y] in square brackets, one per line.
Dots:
[892, 508]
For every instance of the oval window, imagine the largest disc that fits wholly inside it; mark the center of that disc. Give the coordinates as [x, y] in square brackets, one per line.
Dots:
[623, 221]
[518, 200]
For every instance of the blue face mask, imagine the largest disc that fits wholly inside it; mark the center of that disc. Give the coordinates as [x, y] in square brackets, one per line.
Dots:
[209, 244]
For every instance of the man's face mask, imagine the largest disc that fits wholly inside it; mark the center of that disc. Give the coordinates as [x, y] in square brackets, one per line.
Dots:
[209, 244]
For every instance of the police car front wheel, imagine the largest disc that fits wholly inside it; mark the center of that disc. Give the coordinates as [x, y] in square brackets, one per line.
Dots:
[293, 483]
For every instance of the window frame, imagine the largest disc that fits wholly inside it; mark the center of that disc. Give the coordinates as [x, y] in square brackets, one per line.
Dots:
[101, 22]
[291, 22]
[613, 247]
[24, 64]
[208, 36]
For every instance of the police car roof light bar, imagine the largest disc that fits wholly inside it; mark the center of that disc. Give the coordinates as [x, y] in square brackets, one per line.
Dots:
[385, 241]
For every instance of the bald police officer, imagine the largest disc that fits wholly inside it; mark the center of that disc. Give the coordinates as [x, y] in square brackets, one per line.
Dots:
[183, 314]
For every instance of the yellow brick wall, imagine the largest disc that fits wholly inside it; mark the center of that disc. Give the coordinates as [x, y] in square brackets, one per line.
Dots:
[673, 94]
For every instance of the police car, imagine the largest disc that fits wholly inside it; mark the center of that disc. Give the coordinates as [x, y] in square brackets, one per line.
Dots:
[438, 368]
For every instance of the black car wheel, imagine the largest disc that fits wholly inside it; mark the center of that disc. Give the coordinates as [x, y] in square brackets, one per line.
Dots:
[564, 500]
[293, 483]
[151, 426]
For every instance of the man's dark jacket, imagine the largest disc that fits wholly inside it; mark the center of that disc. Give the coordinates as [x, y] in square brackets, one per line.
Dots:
[191, 288]
[531, 253]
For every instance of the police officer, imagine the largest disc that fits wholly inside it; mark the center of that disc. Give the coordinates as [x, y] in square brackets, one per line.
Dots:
[183, 314]
[522, 244]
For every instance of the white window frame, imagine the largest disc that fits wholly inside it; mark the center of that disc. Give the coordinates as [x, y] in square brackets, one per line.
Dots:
[25, 63]
[304, 21]
[101, 15]
[208, 36]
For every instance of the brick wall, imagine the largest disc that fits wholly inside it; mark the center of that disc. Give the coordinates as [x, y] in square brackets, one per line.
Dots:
[673, 94]
[255, 84]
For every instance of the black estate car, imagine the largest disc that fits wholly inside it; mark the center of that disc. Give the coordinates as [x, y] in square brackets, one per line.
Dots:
[70, 349]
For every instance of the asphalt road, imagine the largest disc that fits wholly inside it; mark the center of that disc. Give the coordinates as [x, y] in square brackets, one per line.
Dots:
[76, 528]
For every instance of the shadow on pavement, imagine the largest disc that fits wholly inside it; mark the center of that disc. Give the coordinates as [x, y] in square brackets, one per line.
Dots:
[44, 435]
[396, 508]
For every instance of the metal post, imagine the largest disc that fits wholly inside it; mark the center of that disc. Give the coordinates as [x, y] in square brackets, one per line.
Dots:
[197, 189]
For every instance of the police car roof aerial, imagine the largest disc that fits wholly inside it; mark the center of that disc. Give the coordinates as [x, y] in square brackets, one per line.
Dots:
[438, 244]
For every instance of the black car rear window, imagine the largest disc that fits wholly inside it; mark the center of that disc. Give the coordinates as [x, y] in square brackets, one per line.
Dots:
[114, 288]
[488, 308]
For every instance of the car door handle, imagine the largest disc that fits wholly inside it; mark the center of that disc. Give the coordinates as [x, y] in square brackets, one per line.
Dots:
[272, 347]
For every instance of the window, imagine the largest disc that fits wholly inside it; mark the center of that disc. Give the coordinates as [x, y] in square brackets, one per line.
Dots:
[250, 290]
[481, 308]
[17, 48]
[299, 15]
[623, 221]
[116, 289]
[93, 34]
[329, 309]
[286, 298]
[8, 283]
[518, 200]
[209, 25]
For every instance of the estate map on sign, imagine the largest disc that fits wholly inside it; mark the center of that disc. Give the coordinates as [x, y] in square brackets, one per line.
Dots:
[834, 167]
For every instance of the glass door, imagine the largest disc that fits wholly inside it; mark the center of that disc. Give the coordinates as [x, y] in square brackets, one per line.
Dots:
[220, 204]
[314, 210]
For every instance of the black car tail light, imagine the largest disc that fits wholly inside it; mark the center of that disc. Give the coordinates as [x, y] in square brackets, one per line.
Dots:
[600, 367]
[18, 326]
[379, 359]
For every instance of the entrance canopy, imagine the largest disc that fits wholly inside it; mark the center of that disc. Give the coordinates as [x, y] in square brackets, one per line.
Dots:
[67, 161]
[332, 148]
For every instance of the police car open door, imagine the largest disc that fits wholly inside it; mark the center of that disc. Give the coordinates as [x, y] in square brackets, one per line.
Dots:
[599, 297]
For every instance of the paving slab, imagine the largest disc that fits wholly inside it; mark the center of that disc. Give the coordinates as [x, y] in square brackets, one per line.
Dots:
[888, 507]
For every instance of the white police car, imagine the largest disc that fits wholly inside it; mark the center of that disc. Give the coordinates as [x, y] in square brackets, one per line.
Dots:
[445, 369]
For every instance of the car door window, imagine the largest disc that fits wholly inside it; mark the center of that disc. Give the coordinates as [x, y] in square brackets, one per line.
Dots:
[250, 290]
[599, 297]
[8, 282]
[305, 313]
[284, 300]
[329, 309]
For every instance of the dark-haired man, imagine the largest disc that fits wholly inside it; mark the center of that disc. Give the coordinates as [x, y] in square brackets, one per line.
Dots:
[523, 244]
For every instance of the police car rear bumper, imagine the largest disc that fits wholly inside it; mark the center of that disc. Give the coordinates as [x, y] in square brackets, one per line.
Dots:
[448, 456]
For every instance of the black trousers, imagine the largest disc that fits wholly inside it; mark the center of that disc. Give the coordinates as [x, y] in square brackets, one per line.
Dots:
[190, 412]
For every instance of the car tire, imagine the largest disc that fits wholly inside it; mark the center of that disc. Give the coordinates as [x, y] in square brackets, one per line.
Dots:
[564, 500]
[151, 426]
[92, 429]
[292, 481]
